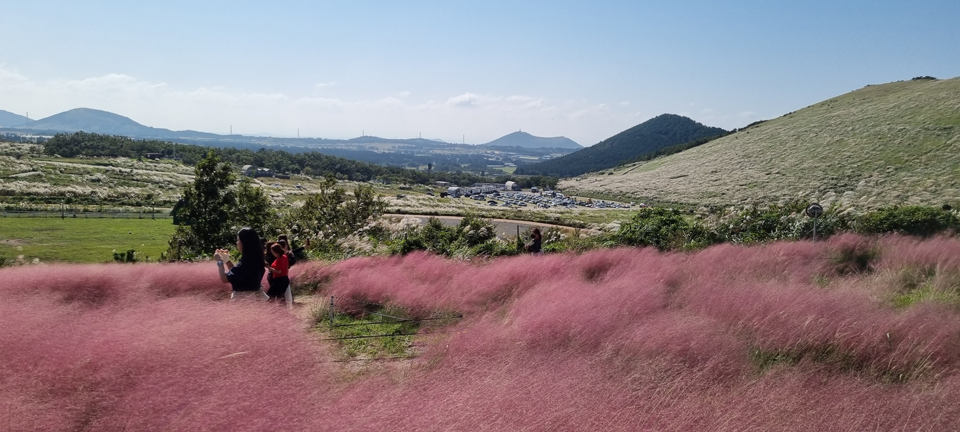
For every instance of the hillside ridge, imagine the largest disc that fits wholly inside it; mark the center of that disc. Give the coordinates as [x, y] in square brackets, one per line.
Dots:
[645, 138]
[526, 140]
[9, 119]
[887, 144]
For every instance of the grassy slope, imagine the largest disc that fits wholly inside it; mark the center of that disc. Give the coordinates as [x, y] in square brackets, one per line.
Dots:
[112, 182]
[896, 143]
[82, 240]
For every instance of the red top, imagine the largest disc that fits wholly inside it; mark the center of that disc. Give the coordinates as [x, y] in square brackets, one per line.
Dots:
[282, 265]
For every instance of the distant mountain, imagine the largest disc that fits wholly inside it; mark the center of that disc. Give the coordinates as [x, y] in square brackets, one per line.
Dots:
[525, 140]
[103, 122]
[881, 145]
[409, 152]
[648, 137]
[9, 119]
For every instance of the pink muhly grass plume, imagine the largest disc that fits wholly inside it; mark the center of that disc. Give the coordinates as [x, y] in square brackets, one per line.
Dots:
[785, 336]
[143, 347]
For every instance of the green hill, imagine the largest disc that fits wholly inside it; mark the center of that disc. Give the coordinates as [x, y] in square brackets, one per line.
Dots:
[105, 122]
[889, 144]
[8, 119]
[648, 137]
[525, 140]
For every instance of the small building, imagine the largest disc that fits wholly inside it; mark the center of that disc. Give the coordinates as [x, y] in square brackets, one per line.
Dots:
[154, 156]
[264, 172]
[442, 183]
[249, 170]
[454, 191]
[511, 186]
[490, 186]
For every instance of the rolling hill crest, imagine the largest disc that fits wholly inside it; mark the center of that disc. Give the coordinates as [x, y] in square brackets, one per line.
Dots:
[648, 137]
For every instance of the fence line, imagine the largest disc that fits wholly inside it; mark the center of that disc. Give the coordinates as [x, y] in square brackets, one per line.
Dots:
[408, 309]
[84, 215]
[371, 336]
[373, 359]
[394, 320]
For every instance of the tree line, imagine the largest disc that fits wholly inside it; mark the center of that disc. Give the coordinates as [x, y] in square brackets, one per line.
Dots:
[309, 163]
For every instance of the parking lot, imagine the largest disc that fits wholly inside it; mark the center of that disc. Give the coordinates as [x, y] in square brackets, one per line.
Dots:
[506, 228]
[545, 199]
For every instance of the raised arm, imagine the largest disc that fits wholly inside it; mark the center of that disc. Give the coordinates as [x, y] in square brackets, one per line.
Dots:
[223, 264]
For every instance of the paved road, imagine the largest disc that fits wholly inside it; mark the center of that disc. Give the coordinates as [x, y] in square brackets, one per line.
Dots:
[505, 227]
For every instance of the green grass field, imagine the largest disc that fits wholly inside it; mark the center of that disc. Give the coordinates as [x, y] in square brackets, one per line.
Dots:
[82, 240]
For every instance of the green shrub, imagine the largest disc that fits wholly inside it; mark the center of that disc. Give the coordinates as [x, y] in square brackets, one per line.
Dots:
[663, 228]
[787, 222]
[494, 248]
[911, 220]
[755, 226]
[130, 256]
[472, 236]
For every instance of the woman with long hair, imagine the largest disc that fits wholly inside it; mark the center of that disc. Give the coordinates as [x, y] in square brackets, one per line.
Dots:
[536, 240]
[245, 276]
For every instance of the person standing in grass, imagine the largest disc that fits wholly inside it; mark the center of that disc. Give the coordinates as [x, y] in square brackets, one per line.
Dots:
[536, 239]
[279, 273]
[288, 249]
[245, 276]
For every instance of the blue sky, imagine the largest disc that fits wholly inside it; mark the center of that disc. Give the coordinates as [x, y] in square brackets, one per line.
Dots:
[459, 70]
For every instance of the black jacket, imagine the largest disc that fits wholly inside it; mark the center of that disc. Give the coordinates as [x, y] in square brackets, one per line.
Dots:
[244, 277]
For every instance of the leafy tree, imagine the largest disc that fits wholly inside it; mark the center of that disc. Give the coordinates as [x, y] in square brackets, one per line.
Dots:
[331, 214]
[207, 204]
[253, 209]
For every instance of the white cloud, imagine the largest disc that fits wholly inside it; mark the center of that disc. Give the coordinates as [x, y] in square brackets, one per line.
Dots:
[9, 78]
[215, 109]
[390, 101]
[325, 84]
[464, 100]
[526, 101]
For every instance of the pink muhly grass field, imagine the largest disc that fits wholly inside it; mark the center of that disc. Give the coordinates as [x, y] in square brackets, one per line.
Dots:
[786, 336]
